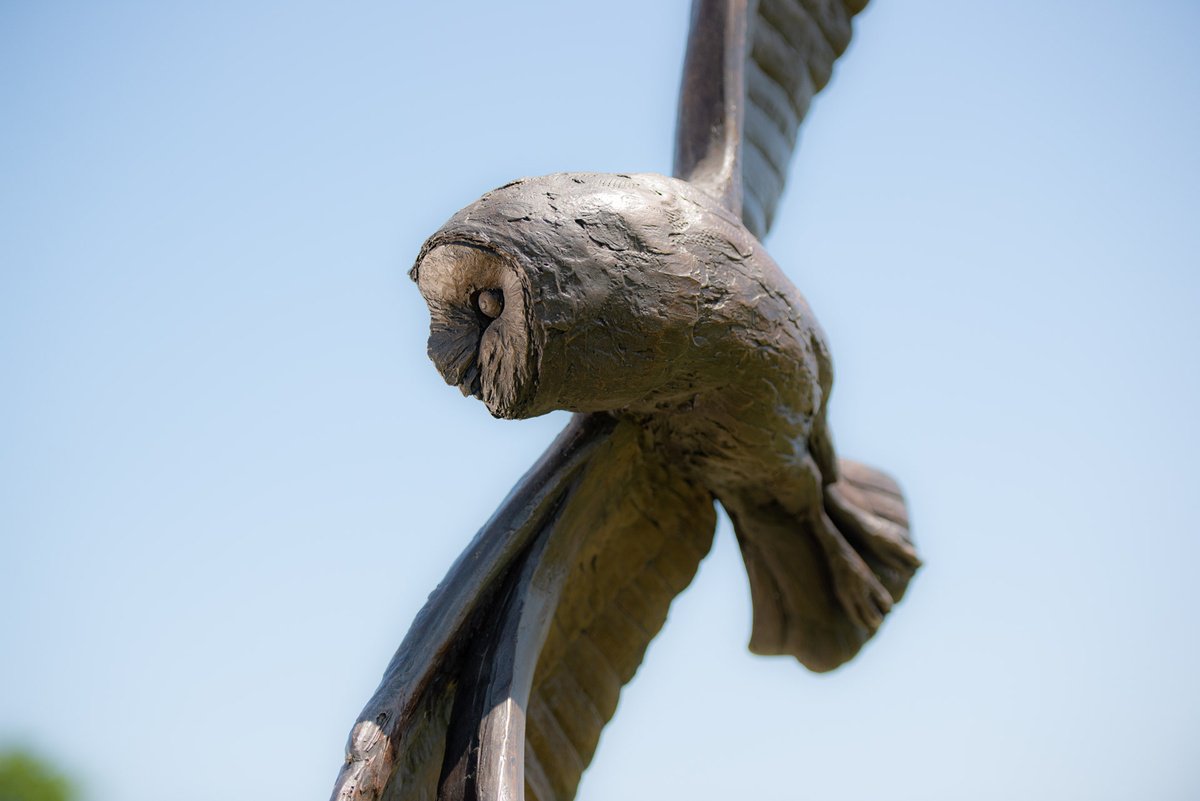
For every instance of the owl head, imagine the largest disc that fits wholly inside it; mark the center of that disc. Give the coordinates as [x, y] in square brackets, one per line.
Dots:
[577, 291]
[479, 332]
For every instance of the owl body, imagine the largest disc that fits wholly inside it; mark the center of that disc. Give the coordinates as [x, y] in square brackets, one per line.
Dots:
[640, 296]
[635, 295]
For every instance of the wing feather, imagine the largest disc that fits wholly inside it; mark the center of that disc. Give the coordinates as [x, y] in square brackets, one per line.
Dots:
[395, 747]
[736, 141]
[535, 652]
[641, 552]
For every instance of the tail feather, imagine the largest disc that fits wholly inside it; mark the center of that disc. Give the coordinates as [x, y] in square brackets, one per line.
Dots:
[816, 601]
[868, 508]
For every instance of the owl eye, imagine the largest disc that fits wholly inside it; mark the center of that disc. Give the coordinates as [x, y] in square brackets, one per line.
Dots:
[490, 303]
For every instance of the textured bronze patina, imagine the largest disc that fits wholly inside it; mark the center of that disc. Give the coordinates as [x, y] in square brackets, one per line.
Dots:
[648, 306]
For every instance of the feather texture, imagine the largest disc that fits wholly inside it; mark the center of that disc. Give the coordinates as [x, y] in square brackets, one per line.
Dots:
[745, 132]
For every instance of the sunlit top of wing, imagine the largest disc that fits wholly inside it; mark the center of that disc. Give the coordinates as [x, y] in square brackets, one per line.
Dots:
[642, 531]
[750, 73]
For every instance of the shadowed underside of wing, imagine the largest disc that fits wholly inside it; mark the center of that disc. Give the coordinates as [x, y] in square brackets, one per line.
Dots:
[397, 743]
[737, 139]
[544, 646]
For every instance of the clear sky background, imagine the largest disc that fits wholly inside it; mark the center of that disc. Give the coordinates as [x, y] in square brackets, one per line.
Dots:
[229, 476]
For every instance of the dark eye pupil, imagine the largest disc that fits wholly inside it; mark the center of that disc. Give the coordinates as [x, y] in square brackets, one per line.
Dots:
[490, 302]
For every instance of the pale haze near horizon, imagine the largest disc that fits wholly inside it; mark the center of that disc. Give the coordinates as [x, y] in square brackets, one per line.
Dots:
[230, 476]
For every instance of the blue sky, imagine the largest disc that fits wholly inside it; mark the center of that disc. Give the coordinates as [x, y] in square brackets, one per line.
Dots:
[229, 477]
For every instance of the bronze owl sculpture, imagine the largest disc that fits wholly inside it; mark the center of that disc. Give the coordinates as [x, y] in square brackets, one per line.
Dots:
[647, 306]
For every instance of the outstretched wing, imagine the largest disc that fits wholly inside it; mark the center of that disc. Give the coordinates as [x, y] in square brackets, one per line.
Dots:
[751, 71]
[523, 649]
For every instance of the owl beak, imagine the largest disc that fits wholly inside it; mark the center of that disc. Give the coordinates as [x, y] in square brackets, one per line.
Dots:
[471, 385]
